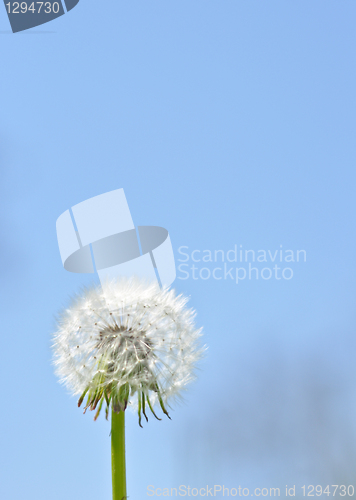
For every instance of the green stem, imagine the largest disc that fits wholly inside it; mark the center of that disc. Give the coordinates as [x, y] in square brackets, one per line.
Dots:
[118, 466]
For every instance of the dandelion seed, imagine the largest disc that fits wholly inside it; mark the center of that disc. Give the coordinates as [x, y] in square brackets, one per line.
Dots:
[133, 356]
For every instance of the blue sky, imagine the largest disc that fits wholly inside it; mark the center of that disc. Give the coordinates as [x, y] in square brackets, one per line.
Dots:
[228, 123]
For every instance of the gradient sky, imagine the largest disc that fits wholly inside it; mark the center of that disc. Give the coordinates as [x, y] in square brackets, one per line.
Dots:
[228, 123]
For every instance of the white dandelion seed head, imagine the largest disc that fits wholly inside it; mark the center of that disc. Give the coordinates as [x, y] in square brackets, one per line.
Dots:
[128, 343]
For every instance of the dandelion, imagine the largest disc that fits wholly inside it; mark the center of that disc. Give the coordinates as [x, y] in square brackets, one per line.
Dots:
[128, 344]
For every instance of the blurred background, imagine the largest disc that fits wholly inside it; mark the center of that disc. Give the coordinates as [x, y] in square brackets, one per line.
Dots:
[228, 123]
